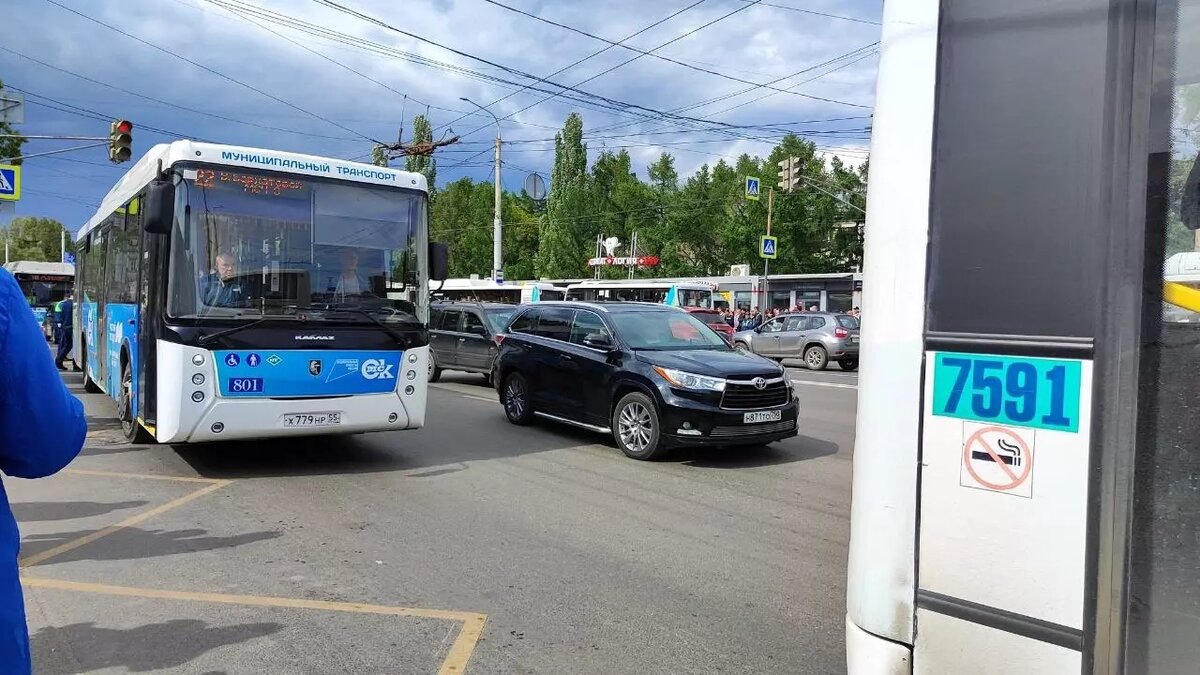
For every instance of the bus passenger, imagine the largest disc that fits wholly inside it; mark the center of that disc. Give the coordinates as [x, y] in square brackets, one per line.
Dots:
[221, 288]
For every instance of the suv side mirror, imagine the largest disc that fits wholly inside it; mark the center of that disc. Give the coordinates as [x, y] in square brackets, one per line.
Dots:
[159, 207]
[598, 341]
[439, 261]
[480, 331]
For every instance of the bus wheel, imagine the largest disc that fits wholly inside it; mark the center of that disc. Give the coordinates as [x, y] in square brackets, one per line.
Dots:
[435, 371]
[88, 385]
[816, 358]
[134, 433]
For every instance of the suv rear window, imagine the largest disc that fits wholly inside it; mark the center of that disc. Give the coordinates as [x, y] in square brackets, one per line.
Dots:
[525, 322]
[847, 321]
[554, 323]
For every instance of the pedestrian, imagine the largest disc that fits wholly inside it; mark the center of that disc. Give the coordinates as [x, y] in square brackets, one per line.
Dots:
[42, 428]
[66, 325]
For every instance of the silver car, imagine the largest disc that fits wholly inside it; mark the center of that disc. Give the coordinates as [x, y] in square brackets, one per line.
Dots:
[816, 337]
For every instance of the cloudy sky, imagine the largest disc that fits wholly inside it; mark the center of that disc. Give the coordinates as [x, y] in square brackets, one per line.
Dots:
[327, 77]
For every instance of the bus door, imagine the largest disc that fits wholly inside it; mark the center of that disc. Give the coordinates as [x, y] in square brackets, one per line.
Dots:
[152, 262]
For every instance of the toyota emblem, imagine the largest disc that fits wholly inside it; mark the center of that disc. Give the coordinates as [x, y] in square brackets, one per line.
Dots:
[759, 383]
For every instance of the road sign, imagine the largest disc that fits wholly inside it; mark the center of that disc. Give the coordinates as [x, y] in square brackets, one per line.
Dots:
[500, 276]
[751, 188]
[69, 258]
[767, 246]
[999, 459]
[10, 182]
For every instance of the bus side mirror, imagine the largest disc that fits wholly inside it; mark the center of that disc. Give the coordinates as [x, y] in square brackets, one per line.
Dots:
[439, 261]
[159, 207]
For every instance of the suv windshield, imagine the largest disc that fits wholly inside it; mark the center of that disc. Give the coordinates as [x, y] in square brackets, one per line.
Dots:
[249, 243]
[665, 330]
[498, 317]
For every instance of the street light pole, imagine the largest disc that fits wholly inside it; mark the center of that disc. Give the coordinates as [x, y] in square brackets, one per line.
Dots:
[497, 222]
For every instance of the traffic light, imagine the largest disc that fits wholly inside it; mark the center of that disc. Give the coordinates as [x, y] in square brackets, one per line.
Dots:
[120, 141]
[791, 173]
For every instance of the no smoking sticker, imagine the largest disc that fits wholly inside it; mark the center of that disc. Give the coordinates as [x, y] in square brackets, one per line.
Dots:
[998, 459]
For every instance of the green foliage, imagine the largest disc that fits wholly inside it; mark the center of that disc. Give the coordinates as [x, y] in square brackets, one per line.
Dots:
[34, 238]
[422, 133]
[697, 226]
[10, 147]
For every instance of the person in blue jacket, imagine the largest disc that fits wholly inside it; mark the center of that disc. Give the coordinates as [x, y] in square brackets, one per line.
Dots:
[42, 428]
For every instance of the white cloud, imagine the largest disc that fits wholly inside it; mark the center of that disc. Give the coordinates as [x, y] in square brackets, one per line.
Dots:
[757, 44]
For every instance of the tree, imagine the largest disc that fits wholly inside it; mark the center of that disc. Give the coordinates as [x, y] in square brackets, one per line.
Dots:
[563, 248]
[10, 146]
[422, 133]
[34, 238]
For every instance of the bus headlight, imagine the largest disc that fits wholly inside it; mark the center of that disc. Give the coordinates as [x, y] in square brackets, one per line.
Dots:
[198, 379]
[412, 357]
[409, 390]
[197, 359]
[412, 375]
[197, 396]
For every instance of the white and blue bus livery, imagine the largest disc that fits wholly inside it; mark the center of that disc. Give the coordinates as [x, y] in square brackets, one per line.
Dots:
[233, 293]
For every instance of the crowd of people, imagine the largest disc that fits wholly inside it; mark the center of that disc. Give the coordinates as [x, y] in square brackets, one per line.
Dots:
[749, 319]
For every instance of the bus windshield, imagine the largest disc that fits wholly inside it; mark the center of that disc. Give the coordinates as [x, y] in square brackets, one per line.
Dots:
[249, 243]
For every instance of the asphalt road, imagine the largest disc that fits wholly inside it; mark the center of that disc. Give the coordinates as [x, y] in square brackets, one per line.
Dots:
[380, 553]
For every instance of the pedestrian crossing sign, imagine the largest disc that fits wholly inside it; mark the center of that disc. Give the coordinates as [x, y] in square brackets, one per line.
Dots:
[10, 182]
[767, 246]
[752, 188]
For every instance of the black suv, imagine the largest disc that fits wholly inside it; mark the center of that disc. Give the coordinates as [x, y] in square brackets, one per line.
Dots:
[653, 376]
[462, 336]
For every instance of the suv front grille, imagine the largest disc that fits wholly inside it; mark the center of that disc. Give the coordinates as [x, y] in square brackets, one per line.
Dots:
[748, 397]
[750, 429]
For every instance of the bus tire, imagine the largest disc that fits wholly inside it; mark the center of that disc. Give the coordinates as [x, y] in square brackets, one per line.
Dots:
[88, 385]
[435, 371]
[816, 358]
[133, 430]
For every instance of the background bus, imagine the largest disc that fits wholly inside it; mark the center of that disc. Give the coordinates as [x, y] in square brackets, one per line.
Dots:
[487, 290]
[1026, 481]
[43, 284]
[243, 293]
[676, 293]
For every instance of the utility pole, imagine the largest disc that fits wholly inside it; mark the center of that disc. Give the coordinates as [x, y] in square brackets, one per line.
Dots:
[497, 221]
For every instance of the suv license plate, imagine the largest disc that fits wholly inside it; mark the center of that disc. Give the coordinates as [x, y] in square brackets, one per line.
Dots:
[762, 416]
[325, 419]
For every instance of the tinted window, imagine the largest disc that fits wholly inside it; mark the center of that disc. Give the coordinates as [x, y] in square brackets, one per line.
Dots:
[586, 323]
[665, 330]
[435, 315]
[846, 321]
[450, 320]
[816, 322]
[498, 318]
[708, 317]
[525, 322]
[472, 323]
[554, 323]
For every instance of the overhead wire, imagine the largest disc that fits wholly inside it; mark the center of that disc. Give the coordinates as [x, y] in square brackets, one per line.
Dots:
[210, 70]
[668, 59]
[168, 103]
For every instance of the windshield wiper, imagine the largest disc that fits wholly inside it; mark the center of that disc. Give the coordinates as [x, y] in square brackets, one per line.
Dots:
[399, 337]
[213, 337]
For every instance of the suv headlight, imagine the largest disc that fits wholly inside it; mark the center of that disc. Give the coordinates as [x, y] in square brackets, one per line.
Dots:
[682, 380]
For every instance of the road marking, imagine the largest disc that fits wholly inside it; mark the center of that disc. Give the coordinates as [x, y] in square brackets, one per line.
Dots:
[835, 385]
[42, 557]
[455, 662]
[143, 476]
[456, 390]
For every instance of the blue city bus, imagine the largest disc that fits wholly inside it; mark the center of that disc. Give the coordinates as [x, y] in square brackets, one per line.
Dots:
[232, 293]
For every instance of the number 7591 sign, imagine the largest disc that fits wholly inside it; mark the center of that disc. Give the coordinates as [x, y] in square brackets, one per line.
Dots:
[1021, 391]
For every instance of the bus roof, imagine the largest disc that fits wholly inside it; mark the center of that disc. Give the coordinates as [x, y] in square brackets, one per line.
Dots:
[1184, 267]
[470, 284]
[37, 267]
[141, 173]
[644, 283]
